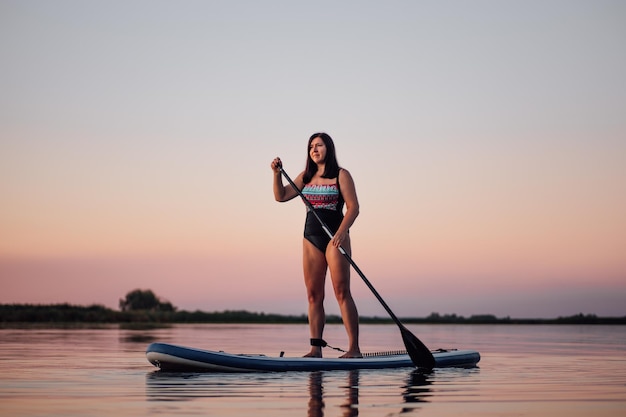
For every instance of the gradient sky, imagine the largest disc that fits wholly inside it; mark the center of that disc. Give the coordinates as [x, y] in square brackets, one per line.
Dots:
[487, 140]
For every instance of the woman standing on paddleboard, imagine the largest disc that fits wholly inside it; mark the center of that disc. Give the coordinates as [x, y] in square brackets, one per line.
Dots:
[327, 187]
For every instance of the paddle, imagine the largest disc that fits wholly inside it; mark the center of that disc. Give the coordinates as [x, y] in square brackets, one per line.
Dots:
[419, 353]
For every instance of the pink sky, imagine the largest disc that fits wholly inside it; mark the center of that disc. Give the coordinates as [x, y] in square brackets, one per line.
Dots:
[489, 159]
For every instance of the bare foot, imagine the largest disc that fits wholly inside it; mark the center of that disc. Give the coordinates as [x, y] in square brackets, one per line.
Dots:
[351, 355]
[314, 353]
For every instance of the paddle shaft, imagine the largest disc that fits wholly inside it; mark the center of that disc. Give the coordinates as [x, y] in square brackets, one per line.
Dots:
[419, 353]
[343, 251]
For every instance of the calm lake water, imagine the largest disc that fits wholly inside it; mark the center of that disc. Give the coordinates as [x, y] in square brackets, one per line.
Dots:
[535, 370]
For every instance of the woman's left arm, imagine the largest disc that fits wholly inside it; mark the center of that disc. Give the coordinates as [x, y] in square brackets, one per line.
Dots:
[348, 192]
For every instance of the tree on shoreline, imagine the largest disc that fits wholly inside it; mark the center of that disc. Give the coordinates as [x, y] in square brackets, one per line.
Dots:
[144, 300]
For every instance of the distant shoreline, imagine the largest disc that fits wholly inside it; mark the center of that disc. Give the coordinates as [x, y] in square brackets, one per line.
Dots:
[16, 314]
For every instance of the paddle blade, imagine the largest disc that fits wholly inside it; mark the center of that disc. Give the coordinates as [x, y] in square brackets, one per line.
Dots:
[421, 356]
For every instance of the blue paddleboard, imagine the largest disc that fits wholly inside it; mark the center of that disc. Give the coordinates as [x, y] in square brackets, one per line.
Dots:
[170, 357]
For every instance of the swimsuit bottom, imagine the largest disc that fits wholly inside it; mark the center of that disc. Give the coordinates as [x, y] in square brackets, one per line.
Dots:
[313, 231]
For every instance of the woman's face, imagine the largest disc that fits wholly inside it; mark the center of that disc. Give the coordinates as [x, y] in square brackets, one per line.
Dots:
[317, 150]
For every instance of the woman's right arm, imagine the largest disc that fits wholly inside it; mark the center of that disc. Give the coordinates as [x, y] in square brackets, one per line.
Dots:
[283, 193]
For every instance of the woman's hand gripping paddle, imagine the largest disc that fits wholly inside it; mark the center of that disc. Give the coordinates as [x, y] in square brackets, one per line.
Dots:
[421, 356]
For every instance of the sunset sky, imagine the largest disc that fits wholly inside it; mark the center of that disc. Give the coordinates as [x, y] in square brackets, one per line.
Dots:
[487, 141]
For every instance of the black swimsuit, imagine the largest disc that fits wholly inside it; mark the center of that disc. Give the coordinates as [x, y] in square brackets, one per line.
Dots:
[328, 204]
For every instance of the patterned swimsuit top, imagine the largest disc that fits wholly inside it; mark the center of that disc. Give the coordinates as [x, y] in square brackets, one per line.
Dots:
[324, 196]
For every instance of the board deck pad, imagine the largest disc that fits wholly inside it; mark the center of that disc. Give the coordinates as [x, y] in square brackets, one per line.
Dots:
[169, 357]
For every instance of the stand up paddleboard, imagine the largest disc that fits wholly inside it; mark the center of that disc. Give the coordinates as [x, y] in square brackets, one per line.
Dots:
[169, 357]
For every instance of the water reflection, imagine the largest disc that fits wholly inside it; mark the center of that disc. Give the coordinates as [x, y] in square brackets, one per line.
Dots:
[350, 405]
[318, 392]
[417, 389]
[137, 337]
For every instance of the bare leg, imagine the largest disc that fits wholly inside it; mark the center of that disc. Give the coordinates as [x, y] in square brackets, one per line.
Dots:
[314, 263]
[340, 275]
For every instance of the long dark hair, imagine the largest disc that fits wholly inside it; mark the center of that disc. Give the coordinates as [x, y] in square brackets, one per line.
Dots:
[331, 169]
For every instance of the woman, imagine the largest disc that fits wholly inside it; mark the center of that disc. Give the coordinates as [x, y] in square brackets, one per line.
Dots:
[327, 186]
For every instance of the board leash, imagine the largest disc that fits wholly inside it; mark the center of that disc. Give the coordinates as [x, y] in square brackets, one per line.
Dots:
[323, 343]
